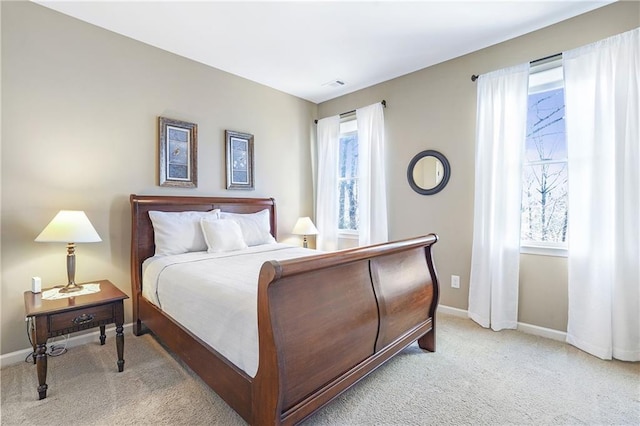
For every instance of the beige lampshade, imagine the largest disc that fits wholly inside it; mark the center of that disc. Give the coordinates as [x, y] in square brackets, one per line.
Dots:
[304, 226]
[69, 226]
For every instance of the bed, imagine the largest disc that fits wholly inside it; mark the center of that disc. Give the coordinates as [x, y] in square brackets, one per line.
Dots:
[324, 321]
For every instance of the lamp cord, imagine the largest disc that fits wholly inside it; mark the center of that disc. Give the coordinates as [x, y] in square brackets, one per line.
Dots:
[52, 350]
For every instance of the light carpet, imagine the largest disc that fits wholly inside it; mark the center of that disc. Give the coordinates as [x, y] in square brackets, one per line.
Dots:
[476, 377]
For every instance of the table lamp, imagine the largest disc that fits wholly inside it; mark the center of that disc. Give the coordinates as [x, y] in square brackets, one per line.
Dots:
[71, 227]
[304, 227]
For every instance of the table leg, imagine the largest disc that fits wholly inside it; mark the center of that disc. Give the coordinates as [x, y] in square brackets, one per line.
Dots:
[120, 347]
[119, 335]
[103, 336]
[41, 362]
[41, 355]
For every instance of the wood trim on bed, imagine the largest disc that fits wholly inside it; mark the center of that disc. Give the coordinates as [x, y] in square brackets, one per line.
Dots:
[324, 322]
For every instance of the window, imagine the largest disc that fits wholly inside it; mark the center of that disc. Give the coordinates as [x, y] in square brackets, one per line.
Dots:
[348, 177]
[544, 219]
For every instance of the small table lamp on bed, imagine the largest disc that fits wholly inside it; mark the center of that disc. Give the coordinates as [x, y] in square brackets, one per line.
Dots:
[69, 227]
[304, 227]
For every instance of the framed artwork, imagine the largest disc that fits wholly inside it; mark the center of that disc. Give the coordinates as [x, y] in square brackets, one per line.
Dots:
[239, 155]
[178, 148]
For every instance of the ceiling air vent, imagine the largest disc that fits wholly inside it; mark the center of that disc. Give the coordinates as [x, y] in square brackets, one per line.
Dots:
[334, 83]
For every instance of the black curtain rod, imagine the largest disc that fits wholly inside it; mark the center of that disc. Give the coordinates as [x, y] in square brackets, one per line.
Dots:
[474, 77]
[383, 102]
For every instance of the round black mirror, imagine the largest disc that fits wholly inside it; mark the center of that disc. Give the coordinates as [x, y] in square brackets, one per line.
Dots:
[428, 172]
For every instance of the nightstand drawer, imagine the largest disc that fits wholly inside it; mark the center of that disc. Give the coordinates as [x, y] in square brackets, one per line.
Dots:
[81, 318]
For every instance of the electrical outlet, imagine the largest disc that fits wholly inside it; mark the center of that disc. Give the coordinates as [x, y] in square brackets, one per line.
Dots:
[455, 281]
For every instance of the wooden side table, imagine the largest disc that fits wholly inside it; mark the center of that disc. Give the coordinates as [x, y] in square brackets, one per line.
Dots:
[71, 314]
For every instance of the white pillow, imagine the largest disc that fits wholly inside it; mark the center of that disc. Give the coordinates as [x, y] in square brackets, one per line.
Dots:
[179, 232]
[256, 227]
[222, 235]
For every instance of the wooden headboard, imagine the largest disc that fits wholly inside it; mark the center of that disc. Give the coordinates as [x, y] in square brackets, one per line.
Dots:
[142, 239]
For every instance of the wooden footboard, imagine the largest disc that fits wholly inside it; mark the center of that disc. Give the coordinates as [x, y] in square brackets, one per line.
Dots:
[325, 322]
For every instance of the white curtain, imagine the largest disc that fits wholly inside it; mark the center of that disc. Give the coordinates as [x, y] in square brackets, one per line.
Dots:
[372, 192]
[328, 145]
[602, 115]
[500, 139]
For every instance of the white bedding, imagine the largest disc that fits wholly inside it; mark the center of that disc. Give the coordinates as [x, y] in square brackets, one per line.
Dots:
[214, 295]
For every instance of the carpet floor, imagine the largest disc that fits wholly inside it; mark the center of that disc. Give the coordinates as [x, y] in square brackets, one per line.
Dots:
[477, 377]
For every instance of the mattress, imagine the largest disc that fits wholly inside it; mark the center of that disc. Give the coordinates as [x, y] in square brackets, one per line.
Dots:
[215, 295]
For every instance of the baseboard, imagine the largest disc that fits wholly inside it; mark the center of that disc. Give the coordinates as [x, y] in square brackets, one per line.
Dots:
[461, 313]
[21, 355]
[549, 333]
[535, 330]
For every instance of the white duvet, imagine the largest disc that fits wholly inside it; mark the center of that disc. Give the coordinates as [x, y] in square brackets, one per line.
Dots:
[214, 295]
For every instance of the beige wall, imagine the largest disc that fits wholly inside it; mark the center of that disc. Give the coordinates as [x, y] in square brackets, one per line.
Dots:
[79, 108]
[434, 108]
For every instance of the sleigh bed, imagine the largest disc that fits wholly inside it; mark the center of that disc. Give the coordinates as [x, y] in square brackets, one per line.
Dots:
[324, 321]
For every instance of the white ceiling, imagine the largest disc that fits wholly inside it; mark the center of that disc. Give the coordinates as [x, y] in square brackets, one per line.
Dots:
[299, 46]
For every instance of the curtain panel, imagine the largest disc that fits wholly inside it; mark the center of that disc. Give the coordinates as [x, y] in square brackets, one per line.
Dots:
[602, 94]
[500, 140]
[328, 145]
[372, 190]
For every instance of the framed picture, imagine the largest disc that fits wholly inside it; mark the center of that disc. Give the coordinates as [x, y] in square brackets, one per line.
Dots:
[239, 160]
[178, 148]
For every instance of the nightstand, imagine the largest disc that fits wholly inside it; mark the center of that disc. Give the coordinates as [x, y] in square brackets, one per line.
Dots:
[62, 316]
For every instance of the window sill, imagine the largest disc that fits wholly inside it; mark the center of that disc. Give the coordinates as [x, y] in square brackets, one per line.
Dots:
[348, 235]
[544, 250]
